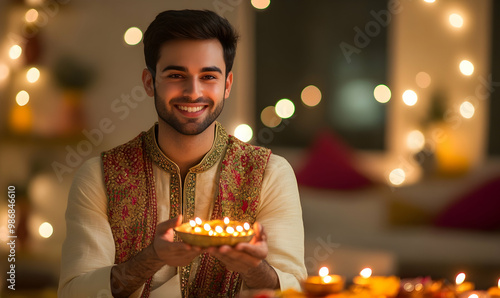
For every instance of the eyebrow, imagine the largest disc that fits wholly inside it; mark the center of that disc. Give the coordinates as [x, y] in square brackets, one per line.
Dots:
[184, 69]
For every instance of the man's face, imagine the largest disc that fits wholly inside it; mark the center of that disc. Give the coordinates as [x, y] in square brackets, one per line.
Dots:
[191, 84]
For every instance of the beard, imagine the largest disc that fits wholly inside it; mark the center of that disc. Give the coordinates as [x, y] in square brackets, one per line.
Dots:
[188, 126]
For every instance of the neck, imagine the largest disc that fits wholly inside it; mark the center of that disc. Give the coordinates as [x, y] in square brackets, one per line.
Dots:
[185, 150]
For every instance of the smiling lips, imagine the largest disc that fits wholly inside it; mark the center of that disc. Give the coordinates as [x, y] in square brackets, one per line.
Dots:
[191, 109]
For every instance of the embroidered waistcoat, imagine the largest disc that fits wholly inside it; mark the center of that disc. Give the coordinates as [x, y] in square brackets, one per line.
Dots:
[132, 206]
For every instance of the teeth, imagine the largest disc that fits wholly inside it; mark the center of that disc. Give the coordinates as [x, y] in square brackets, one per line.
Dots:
[190, 109]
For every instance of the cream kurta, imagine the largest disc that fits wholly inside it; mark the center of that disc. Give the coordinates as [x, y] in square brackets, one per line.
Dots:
[89, 250]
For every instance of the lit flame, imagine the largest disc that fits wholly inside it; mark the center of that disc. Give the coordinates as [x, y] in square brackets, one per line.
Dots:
[230, 230]
[460, 278]
[226, 220]
[246, 226]
[499, 283]
[197, 230]
[198, 220]
[367, 272]
[207, 227]
[323, 271]
[219, 229]
[327, 279]
[192, 223]
[474, 296]
[239, 228]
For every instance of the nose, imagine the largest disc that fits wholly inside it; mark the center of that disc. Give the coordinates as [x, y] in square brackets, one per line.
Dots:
[192, 88]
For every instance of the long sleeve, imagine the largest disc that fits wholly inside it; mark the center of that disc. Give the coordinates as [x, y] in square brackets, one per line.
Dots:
[280, 214]
[88, 252]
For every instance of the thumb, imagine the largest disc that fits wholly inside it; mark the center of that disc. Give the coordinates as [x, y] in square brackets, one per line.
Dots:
[163, 227]
[260, 235]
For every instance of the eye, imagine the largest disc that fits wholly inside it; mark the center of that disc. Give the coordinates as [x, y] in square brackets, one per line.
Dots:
[175, 76]
[209, 77]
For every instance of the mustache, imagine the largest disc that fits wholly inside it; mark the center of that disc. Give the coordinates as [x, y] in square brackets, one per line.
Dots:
[187, 99]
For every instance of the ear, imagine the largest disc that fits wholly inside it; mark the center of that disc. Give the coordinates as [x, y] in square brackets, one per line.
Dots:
[229, 84]
[147, 81]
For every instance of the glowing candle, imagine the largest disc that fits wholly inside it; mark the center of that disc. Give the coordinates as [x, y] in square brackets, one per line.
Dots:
[462, 285]
[324, 284]
[219, 229]
[246, 226]
[239, 228]
[364, 277]
[226, 220]
[198, 221]
[207, 227]
[494, 292]
[192, 223]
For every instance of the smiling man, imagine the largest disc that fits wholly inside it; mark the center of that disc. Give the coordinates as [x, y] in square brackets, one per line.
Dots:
[123, 206]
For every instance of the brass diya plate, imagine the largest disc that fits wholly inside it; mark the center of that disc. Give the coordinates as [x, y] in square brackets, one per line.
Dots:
[214, 233]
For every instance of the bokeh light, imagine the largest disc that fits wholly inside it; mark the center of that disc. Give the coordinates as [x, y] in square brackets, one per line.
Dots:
[45, 230]
[430, 1]
[261, 4]
[397, 176]
[466, 67]
[4, 71]
[285, 108]
[467, 109]
[243, 132]
[311, 96]
[410, 97]
[415, 140]
[133, 36]
[33, 75]
[456, 20]
[31, 15]
[269, 117]
[15, 52]
[366, 272]
[382, 93]
[423, 79]
[22, 98]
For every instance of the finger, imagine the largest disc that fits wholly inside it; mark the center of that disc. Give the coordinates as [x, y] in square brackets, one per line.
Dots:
[169, 224]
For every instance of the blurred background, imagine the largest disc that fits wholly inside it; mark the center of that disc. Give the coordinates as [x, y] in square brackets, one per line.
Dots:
[387, 111]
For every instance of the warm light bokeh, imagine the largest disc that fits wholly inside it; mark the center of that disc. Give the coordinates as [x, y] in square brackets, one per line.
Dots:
[311, 96]
[261, 4]
[269, 117]
[410, 97]
[243, 132]
[423, 79]
[285, 108]
[133, 36]
[456, 20]
[466, 67]
[382, 93]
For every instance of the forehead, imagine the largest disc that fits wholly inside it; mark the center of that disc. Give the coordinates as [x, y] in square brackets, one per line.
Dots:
[192, 54]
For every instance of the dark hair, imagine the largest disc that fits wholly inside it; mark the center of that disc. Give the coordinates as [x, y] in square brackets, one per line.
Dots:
[189, 24]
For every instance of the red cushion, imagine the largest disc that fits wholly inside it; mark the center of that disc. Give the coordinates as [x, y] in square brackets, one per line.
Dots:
[330, 165]
[478, 209]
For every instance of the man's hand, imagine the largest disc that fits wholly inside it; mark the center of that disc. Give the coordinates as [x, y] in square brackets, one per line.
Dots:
[249, 260]
[170, 252]
[129, 276]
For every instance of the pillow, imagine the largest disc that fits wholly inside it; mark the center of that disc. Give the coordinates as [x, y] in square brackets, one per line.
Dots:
[329, 165]
[478, 209]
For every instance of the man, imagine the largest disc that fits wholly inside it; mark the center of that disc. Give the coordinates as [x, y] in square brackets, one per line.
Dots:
[122, 207]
